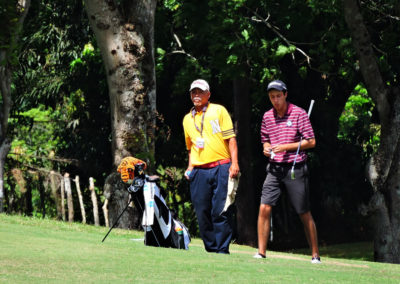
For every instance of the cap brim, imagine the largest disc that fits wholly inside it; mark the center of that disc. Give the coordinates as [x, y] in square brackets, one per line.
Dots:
[198, 87]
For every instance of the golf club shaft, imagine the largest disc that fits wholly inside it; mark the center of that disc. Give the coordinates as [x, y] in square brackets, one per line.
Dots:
[301, 138]
[116, 221]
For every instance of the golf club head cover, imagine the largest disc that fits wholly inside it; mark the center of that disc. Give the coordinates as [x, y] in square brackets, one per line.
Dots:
[127, 168]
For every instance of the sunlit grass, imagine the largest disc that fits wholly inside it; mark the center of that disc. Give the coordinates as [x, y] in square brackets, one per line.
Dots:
[37, 251]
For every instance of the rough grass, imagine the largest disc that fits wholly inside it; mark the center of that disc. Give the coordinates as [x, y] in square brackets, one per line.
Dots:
[38, 251]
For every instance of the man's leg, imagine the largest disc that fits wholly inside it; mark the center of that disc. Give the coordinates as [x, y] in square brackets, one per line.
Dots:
[222, 222]
[263, 227]
[311, 232]
[201, 194]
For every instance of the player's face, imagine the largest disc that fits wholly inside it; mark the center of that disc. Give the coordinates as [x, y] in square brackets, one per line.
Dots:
[278, 99]
[199, 97]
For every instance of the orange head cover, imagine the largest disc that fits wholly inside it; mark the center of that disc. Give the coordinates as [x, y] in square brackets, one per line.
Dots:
[127, 168]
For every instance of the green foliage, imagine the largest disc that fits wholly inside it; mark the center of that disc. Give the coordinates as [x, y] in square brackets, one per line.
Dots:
[37, 140]
[355, 123]
[176, 187]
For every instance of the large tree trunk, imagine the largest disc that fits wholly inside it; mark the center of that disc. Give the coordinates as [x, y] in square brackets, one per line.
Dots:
[126, 42]
[246, 203]
[127, 48]
[6, 54]
[384, 169]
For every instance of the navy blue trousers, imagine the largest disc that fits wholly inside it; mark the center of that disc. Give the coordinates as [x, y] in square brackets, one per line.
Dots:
[208, 188]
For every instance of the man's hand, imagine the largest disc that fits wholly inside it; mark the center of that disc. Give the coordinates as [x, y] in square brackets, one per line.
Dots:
[234, 170]
[267, 149]
[187, 172]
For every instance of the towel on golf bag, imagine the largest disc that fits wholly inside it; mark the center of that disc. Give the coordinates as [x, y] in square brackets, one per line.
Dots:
[159, 224]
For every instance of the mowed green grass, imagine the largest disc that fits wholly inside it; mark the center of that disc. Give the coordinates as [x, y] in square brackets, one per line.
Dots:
[47, 251]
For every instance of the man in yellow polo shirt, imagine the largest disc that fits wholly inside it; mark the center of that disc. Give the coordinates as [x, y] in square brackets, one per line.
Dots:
[213, 158]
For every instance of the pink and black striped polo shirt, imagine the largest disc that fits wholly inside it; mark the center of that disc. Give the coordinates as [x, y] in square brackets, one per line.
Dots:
[287, 129]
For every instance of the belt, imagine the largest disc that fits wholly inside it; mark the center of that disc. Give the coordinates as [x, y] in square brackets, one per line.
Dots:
[214, 164]
[287, 164]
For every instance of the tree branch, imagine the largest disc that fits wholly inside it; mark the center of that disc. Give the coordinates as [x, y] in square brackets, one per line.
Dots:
[259, 19]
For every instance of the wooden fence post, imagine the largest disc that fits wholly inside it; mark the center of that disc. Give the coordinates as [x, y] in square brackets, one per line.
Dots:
[62, 199]
[78, 189]
[94, 201]
[105, 212]
[70, 203]
[54, 187]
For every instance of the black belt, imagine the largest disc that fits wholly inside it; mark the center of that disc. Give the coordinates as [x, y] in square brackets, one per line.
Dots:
[287, 164]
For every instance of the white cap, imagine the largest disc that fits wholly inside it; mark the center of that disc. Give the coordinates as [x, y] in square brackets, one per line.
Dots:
[201, 84]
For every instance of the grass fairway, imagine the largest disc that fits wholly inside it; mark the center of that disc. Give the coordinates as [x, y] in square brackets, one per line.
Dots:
[47, 251]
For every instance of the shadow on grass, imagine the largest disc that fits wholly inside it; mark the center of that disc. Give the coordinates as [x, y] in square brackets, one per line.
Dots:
[356, 251]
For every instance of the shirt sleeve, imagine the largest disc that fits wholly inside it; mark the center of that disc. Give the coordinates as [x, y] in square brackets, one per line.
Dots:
[264, 132]
[226, 124]
[305, 127]
[188, 140]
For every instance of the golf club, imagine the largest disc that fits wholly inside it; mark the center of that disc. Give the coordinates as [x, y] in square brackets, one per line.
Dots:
[292, 175]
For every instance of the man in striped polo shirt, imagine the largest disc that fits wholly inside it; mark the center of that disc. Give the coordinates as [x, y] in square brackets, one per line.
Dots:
[283, 128]
[213, 158]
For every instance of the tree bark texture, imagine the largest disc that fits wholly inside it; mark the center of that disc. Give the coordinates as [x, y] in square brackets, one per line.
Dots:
[6, 53]
[127, 48]
[246, 203]
[126, 42]
[384, 166]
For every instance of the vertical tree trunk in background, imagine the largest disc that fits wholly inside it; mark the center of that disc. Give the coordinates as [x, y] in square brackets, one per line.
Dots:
[6, 55]
[4, 148]
[82, 205]
[94, 202]
[246, 203]
[70, 202]
[126, 42]
[127, 48]
[384, 167]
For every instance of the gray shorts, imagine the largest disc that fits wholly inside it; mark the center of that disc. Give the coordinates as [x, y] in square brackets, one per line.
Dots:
[278, 177]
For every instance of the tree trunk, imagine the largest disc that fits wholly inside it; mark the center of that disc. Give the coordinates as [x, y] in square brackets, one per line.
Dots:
[127, 47]
[246, 203]
[383, 169]
[4, 148]
[127, 50]
[6, 55]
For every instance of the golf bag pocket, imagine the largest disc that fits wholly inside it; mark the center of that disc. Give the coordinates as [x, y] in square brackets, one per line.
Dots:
[161, 229]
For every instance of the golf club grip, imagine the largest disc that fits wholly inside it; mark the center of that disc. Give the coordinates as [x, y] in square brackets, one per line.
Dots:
[310, 108]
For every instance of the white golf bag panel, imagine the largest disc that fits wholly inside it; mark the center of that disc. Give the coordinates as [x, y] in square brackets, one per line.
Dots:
[151, 209]
[161, 229]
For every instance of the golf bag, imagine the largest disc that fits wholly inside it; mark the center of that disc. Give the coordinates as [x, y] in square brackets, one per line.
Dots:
[160, 226]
